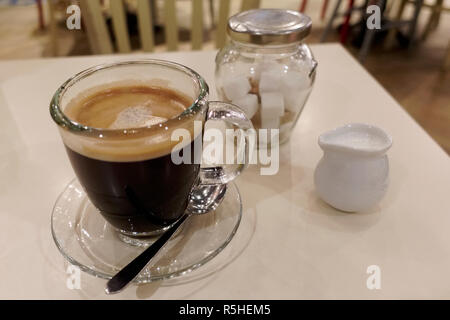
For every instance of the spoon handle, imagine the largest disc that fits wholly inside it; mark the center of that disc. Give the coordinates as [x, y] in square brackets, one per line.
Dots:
[131, 270]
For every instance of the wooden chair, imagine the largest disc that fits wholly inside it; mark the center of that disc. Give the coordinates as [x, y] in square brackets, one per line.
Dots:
[437, 8]
[370, 34]
[40, 14]
[446, 65]
[323, 10]
[394, 24]
[100, 40]
[346, 14]
[433, 21]
[53, 28]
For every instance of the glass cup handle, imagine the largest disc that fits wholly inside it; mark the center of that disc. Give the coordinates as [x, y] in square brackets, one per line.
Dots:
[212, 180]
[227, 172]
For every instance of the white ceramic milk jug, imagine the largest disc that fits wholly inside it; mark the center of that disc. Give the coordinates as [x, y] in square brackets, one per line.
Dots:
[354, 170]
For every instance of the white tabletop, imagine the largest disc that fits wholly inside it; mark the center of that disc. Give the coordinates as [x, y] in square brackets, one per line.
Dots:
[289, 245]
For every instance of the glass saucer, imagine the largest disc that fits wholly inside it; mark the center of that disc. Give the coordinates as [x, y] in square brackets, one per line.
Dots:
[86, 240]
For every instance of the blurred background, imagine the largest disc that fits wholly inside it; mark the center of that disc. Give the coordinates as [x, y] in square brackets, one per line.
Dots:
[409, 56]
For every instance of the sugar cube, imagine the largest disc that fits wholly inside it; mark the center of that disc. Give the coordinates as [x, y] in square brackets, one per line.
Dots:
[272, 104]
[295, 100]
[265, 65]
[270, 81]
[229, 70]
[294, 81]
[270, 122]
[248, 103]
[266, 137]
[236, 87]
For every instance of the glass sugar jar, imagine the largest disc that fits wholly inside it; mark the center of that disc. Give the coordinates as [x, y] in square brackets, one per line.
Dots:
[266, 70]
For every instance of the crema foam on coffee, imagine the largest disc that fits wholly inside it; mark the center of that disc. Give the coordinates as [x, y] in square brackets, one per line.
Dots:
[128, 106]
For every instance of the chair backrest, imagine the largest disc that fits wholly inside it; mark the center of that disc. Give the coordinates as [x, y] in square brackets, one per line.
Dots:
[100, 40]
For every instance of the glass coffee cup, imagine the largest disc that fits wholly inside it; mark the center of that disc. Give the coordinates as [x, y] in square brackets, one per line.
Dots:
[131, 170]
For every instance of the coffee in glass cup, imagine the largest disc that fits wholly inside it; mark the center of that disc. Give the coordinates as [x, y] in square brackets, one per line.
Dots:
[117, 121]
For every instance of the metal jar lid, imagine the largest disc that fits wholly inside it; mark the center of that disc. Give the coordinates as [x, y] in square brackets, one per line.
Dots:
[269, 26]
